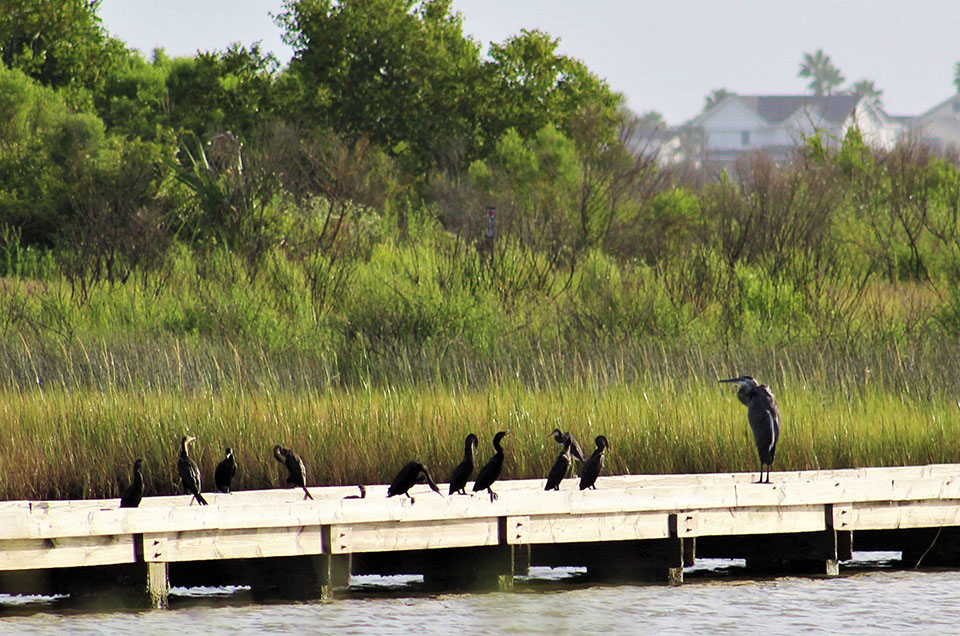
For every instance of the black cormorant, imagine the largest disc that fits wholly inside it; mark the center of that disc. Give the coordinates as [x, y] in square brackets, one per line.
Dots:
[297, 471]
[460, 475]
[226, 469]
[561, 438]
[491, 470]
[407, 477]
[560, 467]
[132, 494]
[189, 471]
[764, 418]
[593, 465]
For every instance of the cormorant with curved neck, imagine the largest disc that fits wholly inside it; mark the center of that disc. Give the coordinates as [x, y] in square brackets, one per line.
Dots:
[491, 470]
[189, 471]
[460, 475]
[561, 438]
[593, 465]
[132, 494]
[226, 469]
[764, 418]
[407, 477]
[560, 467]
[297, 471]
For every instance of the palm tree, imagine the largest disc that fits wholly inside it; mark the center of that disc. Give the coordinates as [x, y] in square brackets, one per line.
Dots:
[716, 96]
[867, 89]
[824, 76]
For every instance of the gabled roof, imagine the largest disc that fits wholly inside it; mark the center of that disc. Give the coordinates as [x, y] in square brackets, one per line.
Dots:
[934, 109]
[775, 109]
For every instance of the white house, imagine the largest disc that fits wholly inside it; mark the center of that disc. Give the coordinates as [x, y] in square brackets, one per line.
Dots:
[776, 124]
[940, 126]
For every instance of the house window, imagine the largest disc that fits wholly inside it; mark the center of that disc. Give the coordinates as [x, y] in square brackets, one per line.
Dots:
[745, 138]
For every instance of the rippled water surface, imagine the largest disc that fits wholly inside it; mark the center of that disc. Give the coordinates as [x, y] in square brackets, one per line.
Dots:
[714, 600]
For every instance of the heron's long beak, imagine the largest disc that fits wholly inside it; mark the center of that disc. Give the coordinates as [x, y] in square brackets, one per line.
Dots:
[730, 380]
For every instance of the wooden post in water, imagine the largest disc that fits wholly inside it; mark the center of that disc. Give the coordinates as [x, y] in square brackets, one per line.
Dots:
[158, 585]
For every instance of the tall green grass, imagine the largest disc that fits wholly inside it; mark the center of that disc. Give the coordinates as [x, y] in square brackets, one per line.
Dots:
[663, 411]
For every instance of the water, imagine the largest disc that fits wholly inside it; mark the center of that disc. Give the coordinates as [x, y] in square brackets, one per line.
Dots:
[716, 599]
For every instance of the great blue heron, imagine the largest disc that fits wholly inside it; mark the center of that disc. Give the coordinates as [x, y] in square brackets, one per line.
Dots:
[189, 471]
[460, 475]
[132, 494]
[407, 477]
[297, 472]
[560, 467]
[593, 466]
[491, 470]
[764, 418]
[226, 469]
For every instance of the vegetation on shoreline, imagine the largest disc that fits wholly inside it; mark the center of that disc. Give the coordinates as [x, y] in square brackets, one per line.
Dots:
[662, 410]
[215, 245]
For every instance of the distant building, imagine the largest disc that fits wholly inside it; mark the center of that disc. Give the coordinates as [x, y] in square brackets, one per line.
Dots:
[939, 127]
[775, 124]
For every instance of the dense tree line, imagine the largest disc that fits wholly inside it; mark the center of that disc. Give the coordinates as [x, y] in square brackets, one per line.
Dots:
[347, 194]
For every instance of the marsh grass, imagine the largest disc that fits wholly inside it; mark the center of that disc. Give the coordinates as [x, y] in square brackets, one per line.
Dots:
[100, 406]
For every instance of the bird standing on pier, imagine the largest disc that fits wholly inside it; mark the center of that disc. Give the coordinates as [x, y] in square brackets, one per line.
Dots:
[407, 477]
[575, 450]
[297, 471]
[132, 494]
[593, 466]
[189, 471]
[226, 469]
[460, 475]
[764, 418]
[560, 467]
[491, 470]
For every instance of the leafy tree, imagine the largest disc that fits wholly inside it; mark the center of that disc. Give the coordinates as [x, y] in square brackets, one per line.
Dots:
[213, 93]
[133, 99]
[531, 86]
[60, 43]
[824, 76]
[715, 97]
[397, 71]
[956, 75]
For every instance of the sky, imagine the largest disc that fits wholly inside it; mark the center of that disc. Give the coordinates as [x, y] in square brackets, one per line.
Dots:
[662, 55]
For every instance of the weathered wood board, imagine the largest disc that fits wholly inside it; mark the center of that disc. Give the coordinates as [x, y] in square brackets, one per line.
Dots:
[34, 554]
[251, 543]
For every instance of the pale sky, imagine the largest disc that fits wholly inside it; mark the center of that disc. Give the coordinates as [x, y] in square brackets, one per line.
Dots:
[663, 55]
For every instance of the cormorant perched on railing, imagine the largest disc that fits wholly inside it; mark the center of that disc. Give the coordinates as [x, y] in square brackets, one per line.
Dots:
[460, 475]
[560, 467]
[189, 471]
[132, 494]
[561, 438]
[226, 469]
[297, 471]
[407, 477]
[491, 470]
[764, 418]
[593, 466]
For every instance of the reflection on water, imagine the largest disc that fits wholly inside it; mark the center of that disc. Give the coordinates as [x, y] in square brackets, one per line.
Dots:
[718, 597]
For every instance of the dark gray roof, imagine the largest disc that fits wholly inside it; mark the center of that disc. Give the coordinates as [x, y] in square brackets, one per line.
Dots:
[775, 109]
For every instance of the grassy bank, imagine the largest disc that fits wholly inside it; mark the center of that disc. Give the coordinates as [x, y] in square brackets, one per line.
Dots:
[663, 411]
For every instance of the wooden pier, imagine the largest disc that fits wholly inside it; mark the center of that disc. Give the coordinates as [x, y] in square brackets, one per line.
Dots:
[632, 527]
